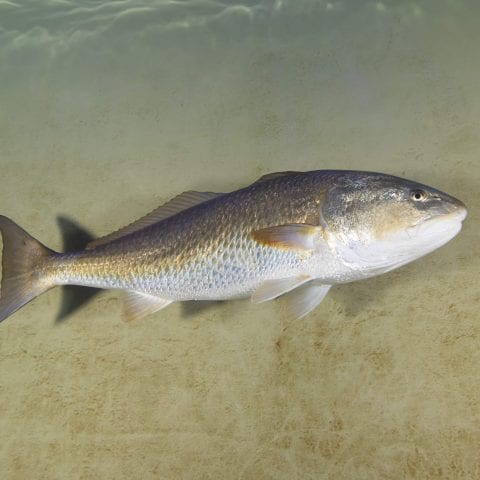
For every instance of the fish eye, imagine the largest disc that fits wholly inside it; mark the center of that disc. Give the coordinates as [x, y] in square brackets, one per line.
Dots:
[418, 195]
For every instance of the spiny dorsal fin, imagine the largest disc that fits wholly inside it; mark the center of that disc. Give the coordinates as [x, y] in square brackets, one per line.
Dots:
[179, 203]
[271, 176]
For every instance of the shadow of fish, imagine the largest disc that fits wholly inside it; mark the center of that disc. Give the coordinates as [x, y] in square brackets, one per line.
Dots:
[297, 232]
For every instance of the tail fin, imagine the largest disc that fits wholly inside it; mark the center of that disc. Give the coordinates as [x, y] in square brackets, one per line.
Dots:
[21, 279]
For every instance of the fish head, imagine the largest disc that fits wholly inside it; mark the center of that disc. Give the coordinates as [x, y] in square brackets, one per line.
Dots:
[379, 222]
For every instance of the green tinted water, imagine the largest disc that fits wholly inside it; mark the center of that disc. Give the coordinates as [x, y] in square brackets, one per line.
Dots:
[109, 109]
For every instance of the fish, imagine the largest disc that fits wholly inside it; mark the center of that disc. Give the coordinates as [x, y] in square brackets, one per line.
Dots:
[288, 233]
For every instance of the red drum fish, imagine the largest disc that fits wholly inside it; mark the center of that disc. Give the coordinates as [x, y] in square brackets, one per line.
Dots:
[297, 232]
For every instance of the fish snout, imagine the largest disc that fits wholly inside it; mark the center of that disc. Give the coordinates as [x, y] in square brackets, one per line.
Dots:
[453, 207]
[457, 209]
[462, 211]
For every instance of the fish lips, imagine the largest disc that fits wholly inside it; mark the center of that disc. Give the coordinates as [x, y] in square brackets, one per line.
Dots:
[440, 227]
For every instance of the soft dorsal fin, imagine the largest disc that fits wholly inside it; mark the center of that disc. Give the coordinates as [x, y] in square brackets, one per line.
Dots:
[181, 202]
[271, 176]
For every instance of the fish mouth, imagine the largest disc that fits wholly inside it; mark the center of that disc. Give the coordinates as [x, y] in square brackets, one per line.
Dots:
[403, 245]
[441, 227]
[419, 240]
[462, 212]
[458, 215]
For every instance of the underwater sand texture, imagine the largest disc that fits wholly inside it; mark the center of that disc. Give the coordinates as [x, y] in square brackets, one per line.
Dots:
[108, 109]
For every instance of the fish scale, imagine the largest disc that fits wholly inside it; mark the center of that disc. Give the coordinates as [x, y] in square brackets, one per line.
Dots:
[301, 231]
[200, 253]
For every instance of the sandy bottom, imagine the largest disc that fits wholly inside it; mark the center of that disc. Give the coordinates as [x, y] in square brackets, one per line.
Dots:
[382, 381]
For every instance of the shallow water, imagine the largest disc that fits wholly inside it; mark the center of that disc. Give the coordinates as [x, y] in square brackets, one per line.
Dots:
[108, 109]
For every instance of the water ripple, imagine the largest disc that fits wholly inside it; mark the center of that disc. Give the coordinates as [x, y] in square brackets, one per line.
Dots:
[42, 30]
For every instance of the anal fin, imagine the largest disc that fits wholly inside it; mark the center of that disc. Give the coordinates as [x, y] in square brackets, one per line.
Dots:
[139, 305]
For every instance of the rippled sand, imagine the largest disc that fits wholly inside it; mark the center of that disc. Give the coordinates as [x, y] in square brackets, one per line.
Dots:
[108, 109]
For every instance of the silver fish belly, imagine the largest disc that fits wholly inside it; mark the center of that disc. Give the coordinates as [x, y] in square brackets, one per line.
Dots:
[301, 231]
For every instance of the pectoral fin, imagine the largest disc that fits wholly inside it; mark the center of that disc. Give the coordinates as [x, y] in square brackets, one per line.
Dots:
[306, 298]
[274, 288]
[299, 236]
[139, 305]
